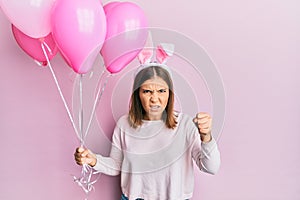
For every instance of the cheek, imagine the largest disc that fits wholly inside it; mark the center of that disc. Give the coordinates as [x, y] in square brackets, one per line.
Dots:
[144, 100]
[165, 99]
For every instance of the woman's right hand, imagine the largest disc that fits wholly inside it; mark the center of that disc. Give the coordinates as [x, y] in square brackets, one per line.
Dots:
[85, 156]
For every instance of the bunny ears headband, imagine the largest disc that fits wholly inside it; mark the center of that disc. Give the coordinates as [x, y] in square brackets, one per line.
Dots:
[163, 52]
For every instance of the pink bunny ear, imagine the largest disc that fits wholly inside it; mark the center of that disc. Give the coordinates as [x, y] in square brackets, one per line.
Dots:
[146, 54]
[163, 52]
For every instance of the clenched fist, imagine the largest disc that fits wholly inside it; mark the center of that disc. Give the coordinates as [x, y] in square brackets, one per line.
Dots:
[85, 156]
[204, 123]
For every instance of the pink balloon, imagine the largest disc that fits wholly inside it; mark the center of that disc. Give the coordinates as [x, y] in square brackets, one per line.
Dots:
[31, 17]
[79, 29]
[32, 46]
[126, 35]
[109, 6]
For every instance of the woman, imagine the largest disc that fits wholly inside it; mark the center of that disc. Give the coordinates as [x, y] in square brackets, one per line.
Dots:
[153, 147]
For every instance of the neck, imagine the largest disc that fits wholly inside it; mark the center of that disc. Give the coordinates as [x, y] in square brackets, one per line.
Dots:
[152, 117]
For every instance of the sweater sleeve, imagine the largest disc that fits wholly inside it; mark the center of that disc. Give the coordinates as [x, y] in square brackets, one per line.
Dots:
[111, 165]
[206, 155]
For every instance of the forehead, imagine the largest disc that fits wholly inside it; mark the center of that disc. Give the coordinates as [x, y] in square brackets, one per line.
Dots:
[155, 82]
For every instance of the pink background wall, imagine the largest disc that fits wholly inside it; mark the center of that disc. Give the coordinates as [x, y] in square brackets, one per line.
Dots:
[255, 45]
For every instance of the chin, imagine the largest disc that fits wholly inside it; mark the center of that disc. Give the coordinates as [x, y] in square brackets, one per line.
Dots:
[156, 115]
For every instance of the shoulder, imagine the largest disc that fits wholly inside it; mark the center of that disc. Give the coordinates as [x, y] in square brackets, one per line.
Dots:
[123, 119]
[123, 122]
[120, 126]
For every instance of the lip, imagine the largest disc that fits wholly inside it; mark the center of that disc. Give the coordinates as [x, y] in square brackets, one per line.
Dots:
[155, 108]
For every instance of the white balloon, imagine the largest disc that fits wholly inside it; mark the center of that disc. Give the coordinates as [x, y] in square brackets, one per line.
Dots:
[32, 17]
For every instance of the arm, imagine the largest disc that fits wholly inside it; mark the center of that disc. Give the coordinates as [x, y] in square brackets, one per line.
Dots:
[108, 165]
[207, 156]
[205, 150]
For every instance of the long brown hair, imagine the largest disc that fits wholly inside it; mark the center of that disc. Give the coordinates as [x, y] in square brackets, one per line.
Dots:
[136, 110]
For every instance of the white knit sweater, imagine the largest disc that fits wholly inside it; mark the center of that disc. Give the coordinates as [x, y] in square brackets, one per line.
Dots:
[156, 163]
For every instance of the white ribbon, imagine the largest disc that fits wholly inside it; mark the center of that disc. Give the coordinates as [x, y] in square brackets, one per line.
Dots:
[43, 44]
[85, 181]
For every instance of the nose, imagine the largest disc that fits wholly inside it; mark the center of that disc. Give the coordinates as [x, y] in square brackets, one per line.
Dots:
[154, 97]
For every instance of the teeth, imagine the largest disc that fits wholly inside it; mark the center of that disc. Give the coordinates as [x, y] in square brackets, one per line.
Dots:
[154, 107]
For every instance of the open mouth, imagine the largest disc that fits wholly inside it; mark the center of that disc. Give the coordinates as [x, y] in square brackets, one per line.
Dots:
[155, 108]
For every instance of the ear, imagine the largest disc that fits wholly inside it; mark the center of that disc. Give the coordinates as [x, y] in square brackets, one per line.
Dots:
[163, 52]
[146, 54]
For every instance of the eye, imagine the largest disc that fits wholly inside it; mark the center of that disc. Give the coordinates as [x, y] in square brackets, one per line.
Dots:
[146, 91]
[162, 90]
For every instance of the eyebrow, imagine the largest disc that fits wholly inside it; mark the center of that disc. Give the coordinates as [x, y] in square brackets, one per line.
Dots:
[161, 88]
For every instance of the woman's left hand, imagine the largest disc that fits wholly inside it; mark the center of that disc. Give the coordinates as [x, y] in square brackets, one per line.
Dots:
[204, 123]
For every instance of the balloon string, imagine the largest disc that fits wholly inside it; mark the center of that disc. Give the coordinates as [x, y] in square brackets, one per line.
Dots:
[98, 97]
[81, 111]
[59, 89]
[87, 171]
[48, 48]
[85, 181]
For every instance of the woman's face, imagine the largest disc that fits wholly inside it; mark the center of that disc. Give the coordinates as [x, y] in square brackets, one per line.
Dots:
[154, 95]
